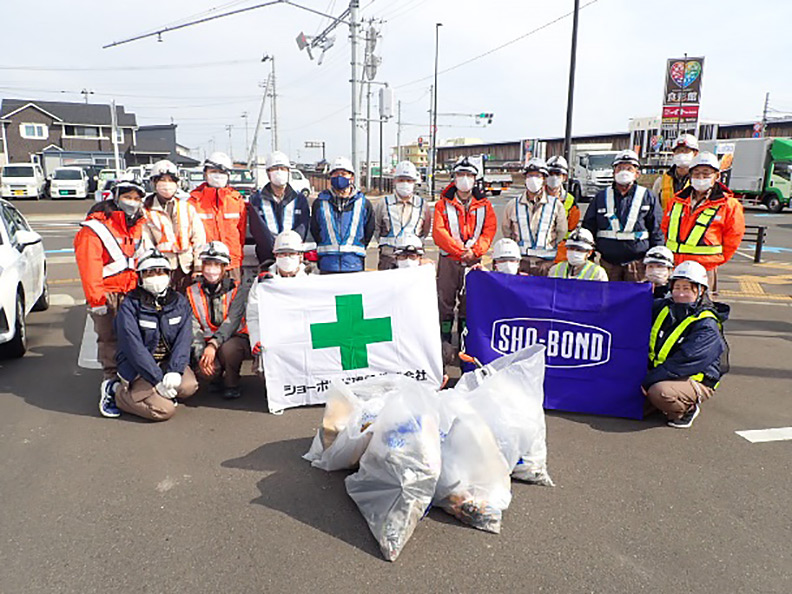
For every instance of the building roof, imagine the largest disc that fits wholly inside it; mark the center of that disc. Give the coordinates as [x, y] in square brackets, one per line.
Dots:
[95, 114]
[155, 139]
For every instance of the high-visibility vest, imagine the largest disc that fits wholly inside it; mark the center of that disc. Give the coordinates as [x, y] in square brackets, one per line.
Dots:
[694, 243]
[119, 261]
[537, 245]
[174, 237]
[659, 351]
[616, 231]
[667, 191]
[396, 228]
[271, 220]
[200, 307]
[455, 229]
[334, 240]
[561, 270]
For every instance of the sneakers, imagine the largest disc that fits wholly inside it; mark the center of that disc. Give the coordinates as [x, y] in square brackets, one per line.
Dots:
[232, 393]
[687, 419]
[107, 404]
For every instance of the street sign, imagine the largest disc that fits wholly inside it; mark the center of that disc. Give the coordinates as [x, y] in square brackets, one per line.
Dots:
[420, 142]
[682, 95]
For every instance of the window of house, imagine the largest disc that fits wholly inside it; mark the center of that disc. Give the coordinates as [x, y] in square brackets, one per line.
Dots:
[82, 131]
[33, 131]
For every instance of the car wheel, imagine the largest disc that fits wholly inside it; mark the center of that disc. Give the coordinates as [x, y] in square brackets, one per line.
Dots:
[773, 203]
[306, 192]
[17, 346]
[43, 302]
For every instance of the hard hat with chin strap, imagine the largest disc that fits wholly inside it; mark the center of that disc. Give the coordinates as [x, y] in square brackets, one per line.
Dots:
[342, 164]
[581, 239]
[277, 159]
[123, 186]
[152, 259]
[686, 140]
[536, 164]
[691, 271]
[627, 156]
[218, 160]
[215, 251]
[659, 254]
[409, 244]
[464, 165]
[407, 169]
[288, 241]
[506, 249]
[164, 167]
[705, 159]
[557, 163]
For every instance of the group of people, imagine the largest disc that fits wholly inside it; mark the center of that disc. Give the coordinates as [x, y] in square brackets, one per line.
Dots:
[164, 285]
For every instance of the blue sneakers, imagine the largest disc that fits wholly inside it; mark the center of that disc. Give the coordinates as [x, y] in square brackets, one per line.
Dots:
[107, 404]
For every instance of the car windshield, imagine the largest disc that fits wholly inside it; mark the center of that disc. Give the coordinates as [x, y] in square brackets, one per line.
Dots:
[196, 175]
[601, 161]
[66, 174]
[241, 175]
[103, 175]
[18, 171]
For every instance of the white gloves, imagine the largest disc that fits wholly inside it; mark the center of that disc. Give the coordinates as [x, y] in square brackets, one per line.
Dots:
[172, 380]
[99, 310]
[165, 391]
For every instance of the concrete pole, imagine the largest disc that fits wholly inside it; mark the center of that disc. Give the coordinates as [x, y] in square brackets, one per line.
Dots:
[114, 137]
[274, 108]
[368, 137]
[398, 132]
[353, 43]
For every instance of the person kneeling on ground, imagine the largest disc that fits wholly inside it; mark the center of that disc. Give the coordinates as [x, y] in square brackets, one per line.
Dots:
[685, 346]
[153, 326]
[505, 258]
[409, 252]
[579, 247]
[659, 262]
[220, 342]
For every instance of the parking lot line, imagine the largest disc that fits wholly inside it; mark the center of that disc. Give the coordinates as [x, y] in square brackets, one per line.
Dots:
[763, 435]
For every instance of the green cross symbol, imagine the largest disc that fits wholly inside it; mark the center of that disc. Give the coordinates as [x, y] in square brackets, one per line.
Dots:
[351, 332]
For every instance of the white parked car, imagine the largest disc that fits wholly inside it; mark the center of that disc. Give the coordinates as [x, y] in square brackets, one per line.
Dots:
[20, 180]
[69, 182]
[299, 182]
[23, 279]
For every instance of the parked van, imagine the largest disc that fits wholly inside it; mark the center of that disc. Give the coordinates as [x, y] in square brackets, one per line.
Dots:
[69, 182]
[22, 180]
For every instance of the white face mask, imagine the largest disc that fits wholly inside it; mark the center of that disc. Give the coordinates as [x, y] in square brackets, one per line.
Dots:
[554, 181]
[288, 264]
[576, 258]
[683, 159]
[279, 178]
[405, 189]
[702, 185]
[464, 184]
[156, 285]
[166, 189]
[624, 178]
[508, 267]
[130, 207]
[217, 180]
[212, 273]
[534, 183]
[657, 276]
[408, 263]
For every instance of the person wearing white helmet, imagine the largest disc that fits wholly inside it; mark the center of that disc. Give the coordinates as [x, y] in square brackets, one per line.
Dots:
[677, 178]
[577, 265]
[342, 222]
[402, 213]
[506, 256]
[686, 347]
[659, 262]
[222, 209]
[409, 252]
[536, 220]
[704, 223]
[556, 186]
[277, 207]
[625, 221]
[173, 225]
[220, 336]
[154, 327]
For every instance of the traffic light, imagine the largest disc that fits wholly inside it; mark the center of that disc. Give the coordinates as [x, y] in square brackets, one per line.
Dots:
[485, 117]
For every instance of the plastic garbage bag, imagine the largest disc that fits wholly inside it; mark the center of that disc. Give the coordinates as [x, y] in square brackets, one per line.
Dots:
[399, 470]
[508, 394]
[474, 484]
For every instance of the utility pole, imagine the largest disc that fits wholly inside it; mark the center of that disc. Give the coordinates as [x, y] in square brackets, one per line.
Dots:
[764, 114]
[429, 148]
[85, 93]
[434, 108]
[253, 155]
[353, 43]
[368, 136]
[571, 87]
[247, 136]
[398, 131]
[230, 143]
[273, 104]
[114, 136]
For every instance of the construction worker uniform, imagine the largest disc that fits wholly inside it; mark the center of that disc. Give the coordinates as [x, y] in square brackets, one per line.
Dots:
[668, 185]
[224, 215]
[342, 229]
[538, 226]
[174, 228]
[268, 217]
[105, 248]
[395, 218]
[573, 220]
[589, 271]
[458, 227]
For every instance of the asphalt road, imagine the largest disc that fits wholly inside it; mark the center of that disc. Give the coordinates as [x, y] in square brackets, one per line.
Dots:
[219, 500]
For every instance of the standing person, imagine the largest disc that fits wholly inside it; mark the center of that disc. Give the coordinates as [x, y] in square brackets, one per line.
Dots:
[580, 247]
[342, 222]
[173, 226]
[220, 338]
[677, 178]
[402, 213]
[625, 220]
[154, 330]
[556, 186]
[704, 222]
[276, 208]
[463, 229]
[659, 262]
[105, 248]
[536, 220]
[222, 210]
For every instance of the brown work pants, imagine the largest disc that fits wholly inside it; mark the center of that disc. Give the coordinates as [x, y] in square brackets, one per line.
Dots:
[387, 260]
[106, 336]
[450, 288]
[675, 397]
[533, 266]
[632, 271]
[142, 399]
[228, 361]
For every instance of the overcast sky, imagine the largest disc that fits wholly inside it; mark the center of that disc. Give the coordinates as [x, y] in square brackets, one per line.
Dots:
[623, 46]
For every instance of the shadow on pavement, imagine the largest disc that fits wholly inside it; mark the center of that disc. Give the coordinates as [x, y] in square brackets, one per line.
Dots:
[743, 327]
[767, 372]
[253, 397]
[309, 495]
[612, 424]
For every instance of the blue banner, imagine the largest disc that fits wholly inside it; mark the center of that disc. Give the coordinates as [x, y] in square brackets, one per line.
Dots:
[596, 336]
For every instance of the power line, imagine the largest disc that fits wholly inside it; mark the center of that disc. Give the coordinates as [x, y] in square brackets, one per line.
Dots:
[130, 68]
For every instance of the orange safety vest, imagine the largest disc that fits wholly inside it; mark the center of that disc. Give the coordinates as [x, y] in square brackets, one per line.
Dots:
[200, 307]
[667, 191]
[174, 237]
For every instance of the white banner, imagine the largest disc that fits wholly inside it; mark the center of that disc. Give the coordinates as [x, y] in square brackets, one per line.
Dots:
[349, 326]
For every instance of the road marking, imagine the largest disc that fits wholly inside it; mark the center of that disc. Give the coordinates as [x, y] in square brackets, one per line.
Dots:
[64, 281]
[60, 251]
[65, 300]
[763, 435]
[61, 260]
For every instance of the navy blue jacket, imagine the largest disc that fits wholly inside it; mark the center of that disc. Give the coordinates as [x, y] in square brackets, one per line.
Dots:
[618, 251]
[341, 212]
[700, 347]
[138, 326]
[263, 237]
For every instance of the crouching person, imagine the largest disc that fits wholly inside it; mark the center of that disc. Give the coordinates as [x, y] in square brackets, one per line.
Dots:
[154, 330]
[685, 347]
[220, 341]
[579, 248]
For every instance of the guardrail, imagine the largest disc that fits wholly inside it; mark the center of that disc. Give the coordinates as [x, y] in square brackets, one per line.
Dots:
[757, 234]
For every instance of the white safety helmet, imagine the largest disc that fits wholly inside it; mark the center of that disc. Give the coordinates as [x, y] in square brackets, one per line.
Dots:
[215, 251]
[627, 156]
[705, 159]
[407, 169]
[692, 271]
[506, 249]
[218, 160]
[277, 159]
[288, 241]
[556, 164]
[659, 254]
[581, 239]
[343, 164]
[463, 164]
[164, 167]
[687, 140]
[409, 244]
[125, 185]
[536, 164]
[152, 259]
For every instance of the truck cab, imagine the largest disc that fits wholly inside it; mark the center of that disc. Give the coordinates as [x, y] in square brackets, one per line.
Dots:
[592, 171]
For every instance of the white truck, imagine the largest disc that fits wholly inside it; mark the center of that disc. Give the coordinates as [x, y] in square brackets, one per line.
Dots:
[22, 180]
[491, 182]
[591, 169]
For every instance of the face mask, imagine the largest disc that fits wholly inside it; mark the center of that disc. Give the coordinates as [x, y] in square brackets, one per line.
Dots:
[464, 184]
[212, 273]
[534, 183]
[339, 182]
[683, 159]
[657, 276]
[554, 181]
[217, 180]
[576, 258]
[404, 189]
[625, 178]
[166, 189]
[130, 207]
[279, 178]
[702, 185]
[507, 267]
[156, 285]
[288, 264]
[408, 263]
